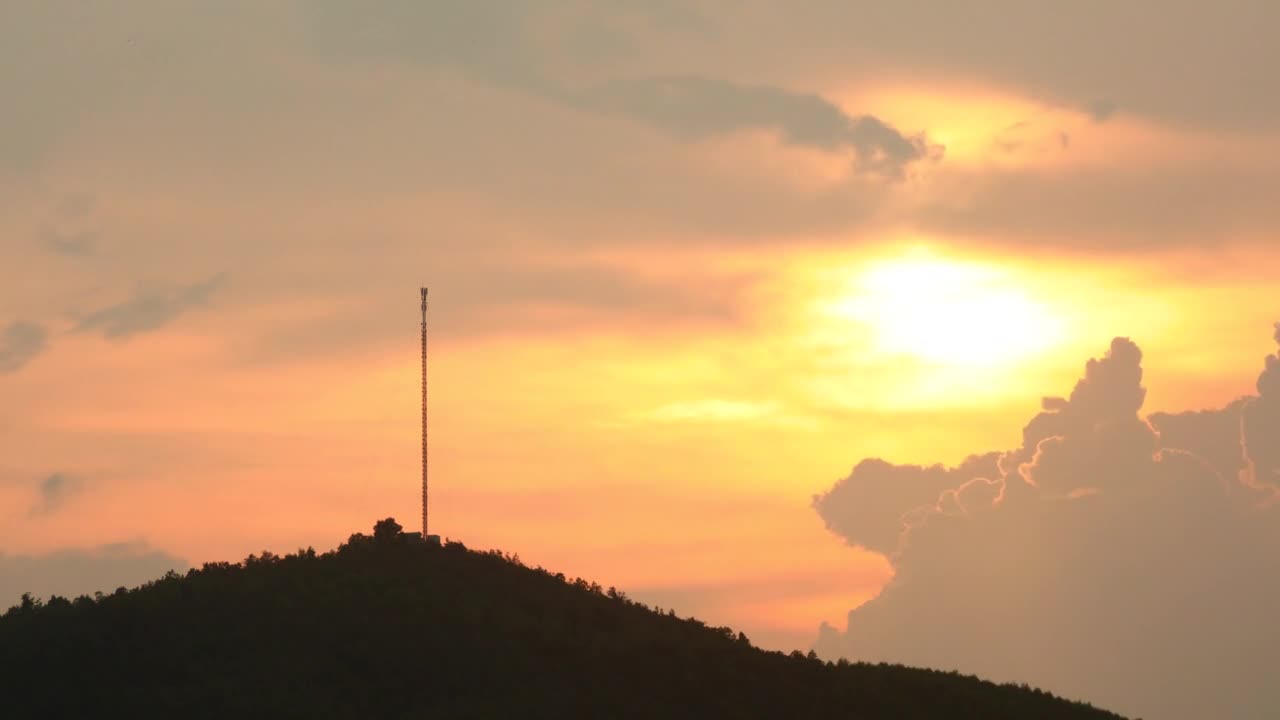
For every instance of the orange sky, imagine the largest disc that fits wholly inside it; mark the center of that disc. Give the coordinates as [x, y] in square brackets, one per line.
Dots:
[675, 462]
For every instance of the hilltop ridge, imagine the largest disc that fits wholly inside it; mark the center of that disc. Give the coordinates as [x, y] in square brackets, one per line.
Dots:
[388, 626]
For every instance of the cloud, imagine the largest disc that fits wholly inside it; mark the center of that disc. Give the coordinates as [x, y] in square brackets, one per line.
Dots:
[1102, 110]
[699, 107]
[498, 44]
[70, 243]
[526, 44]
[147, 311]
[869, 507]
[543, 143]
[1098, 559]
[1134, 208]
[1261, 429]
[1086, 55]
[54, 491]
[1212, 435]
[19, 343]
[1178, 60]
[74, 572]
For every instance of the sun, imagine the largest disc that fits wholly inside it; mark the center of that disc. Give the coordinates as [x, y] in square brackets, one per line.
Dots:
[946, 312]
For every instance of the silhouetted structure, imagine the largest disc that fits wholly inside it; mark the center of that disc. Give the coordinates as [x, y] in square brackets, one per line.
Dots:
[425, 536]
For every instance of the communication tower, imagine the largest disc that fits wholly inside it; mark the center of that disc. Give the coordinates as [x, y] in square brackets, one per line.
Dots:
[425, 536]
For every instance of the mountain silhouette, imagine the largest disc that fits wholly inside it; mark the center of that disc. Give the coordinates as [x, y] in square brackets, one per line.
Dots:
[389, 626]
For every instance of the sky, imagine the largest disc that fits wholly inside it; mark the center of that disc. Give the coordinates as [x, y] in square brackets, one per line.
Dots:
[723, 296]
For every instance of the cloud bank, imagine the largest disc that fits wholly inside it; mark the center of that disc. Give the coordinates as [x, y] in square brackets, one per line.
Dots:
[1104, 558]
[75, 572]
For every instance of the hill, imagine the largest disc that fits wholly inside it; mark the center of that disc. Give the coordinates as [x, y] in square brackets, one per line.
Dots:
[388, 626]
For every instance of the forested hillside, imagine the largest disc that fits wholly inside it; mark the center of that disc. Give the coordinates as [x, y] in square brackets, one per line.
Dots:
[388, 626]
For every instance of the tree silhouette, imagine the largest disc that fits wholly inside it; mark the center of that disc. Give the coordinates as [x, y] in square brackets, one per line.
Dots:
[387, 530]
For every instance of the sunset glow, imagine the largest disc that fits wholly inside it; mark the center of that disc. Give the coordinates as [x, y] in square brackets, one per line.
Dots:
[690, 265]
[949, 313]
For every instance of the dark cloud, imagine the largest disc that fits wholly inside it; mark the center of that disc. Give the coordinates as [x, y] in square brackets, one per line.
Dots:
[19, 343]
[700, 106]
[1178, 60]
[73, 572]
[1098, 559]
[542, 149]
[499, 43]
[54, 491]
[148, 310]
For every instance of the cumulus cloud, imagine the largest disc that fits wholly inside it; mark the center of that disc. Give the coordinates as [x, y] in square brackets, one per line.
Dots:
[869, 508]
[74, 572]
[147, 311]
[1212, 435]
[19, 343]
[54, 491]
[1261, 429]
[1098, 559]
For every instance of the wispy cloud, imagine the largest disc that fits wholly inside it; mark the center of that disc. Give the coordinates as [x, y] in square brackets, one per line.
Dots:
[70, 243]
[702, 106]
[19, 343]
[504, 45]
[148, 310]
[54, 491]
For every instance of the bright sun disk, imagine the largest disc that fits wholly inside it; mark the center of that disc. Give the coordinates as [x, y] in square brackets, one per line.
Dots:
[948, 313]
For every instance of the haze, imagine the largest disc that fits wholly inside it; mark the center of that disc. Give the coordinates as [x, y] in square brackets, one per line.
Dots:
[690, 262]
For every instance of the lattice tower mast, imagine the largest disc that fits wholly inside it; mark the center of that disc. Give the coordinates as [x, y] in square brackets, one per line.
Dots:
[424, 413]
